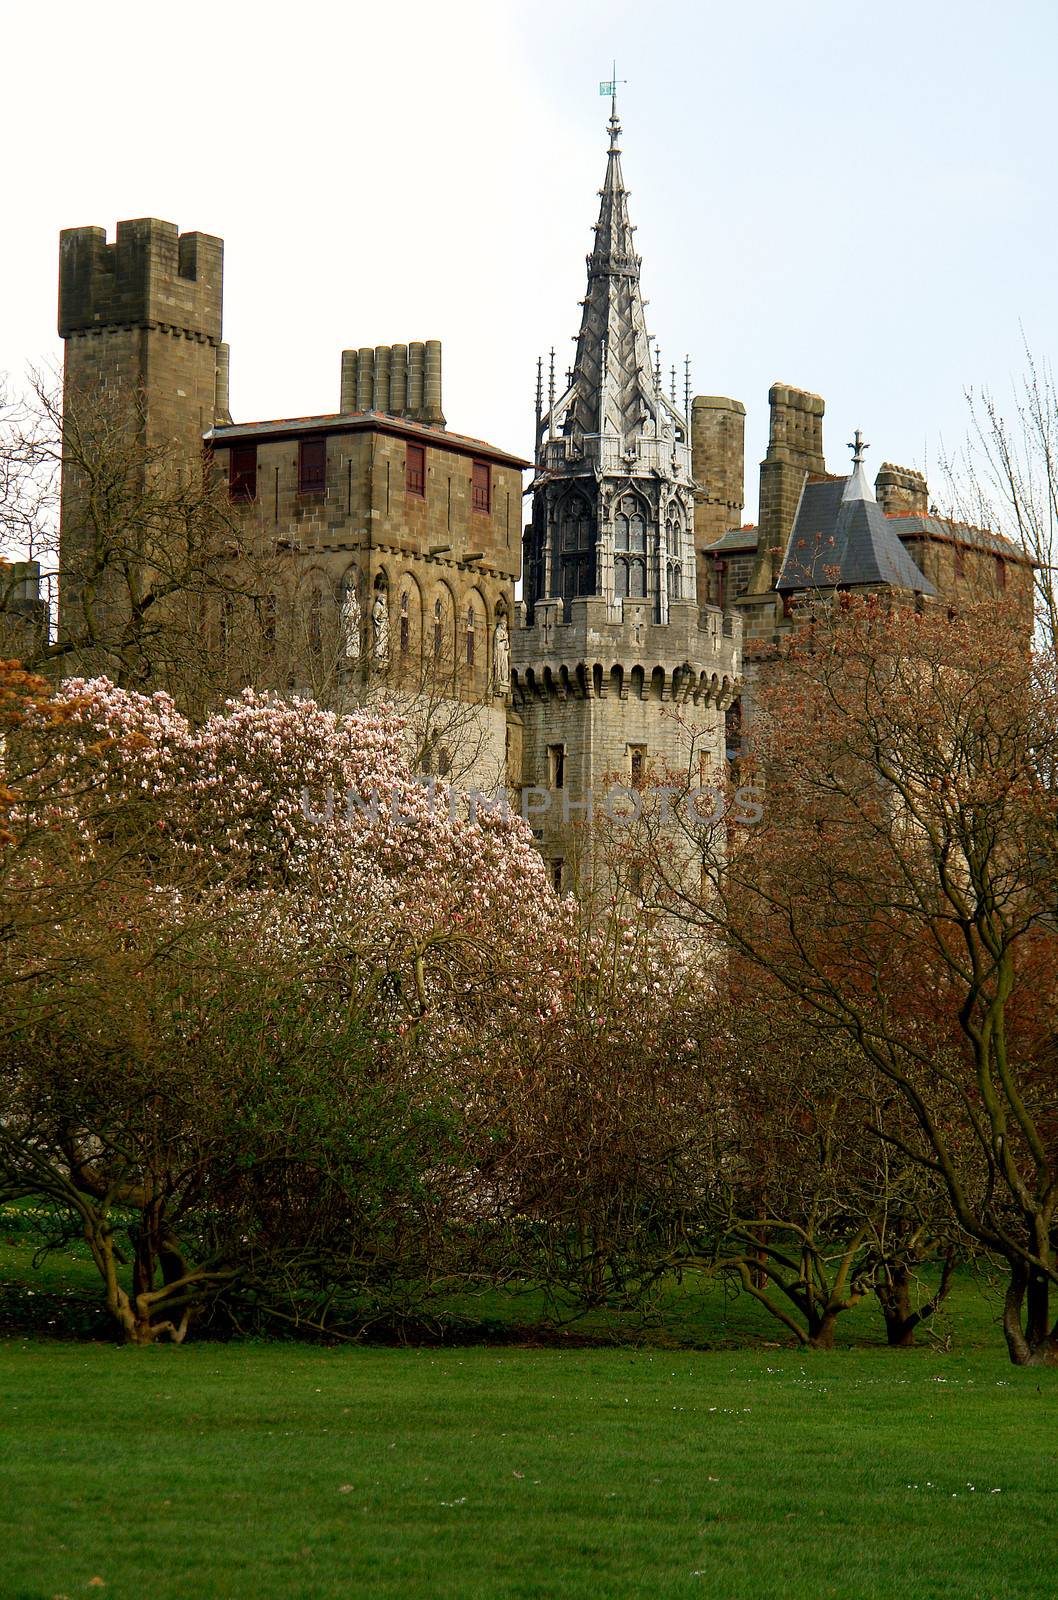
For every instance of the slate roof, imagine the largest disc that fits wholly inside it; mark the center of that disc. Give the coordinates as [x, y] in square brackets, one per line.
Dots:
[842, 538]
[734, 539]
[915, 525]
[357, 422]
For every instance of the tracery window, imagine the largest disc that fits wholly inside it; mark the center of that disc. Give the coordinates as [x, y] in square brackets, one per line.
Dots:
[576, 538]
[630, 578]
[630, 544]
[630, 525]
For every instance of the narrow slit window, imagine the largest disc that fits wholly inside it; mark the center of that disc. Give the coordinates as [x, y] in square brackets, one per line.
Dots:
[557, 765]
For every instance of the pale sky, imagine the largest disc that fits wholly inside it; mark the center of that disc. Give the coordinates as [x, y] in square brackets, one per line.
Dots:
[854, 200]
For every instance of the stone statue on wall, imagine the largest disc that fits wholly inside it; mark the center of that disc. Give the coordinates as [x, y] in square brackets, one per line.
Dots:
[350, 624]
[501, 657]
[380, 626]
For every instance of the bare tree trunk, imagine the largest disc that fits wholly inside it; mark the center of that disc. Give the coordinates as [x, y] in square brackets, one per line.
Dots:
[1034, 1344]
[894, 1298]
[821, 1330]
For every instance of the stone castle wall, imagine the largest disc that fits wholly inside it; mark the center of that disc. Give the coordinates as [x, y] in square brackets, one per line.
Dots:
[606, 686]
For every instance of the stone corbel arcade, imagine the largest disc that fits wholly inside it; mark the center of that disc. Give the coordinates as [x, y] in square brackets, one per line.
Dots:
[682, 685]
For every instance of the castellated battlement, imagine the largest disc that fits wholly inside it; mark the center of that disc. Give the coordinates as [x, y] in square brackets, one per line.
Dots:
[150, 276]
[901, 490]
[603, 650]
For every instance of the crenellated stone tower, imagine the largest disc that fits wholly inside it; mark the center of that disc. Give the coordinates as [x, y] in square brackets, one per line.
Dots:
[143, 314]
[145, 376]
[618, 673]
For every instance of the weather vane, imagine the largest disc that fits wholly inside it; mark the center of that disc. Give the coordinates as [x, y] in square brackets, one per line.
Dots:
[609, 86]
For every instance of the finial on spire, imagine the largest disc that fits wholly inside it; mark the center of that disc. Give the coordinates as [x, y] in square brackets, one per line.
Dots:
[539, 387]
[857, 487]
[657, 370]
[687, 388]
[551, 380]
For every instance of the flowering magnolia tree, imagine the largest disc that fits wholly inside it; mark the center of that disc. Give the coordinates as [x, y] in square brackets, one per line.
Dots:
[302, 819]
[265, 911]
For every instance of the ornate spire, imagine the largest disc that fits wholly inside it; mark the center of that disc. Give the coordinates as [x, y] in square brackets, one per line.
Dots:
[615, 390]
[613, 511]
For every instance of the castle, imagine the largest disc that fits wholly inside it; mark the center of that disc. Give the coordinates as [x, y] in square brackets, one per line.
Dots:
[395, 544]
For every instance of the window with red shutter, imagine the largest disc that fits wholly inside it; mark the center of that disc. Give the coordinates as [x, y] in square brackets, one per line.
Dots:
[479, 486]
[415, 469]
[312, 466]
[242, 472]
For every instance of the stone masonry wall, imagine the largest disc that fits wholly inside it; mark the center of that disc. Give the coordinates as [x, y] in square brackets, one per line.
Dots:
[718, 428]
[367, 532]
[603, 685]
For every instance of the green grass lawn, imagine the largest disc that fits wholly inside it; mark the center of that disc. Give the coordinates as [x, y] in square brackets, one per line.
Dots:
[261, 1471]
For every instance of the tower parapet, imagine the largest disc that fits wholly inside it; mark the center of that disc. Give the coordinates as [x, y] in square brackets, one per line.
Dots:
[696, 655]
[154, 280]
[150, 276]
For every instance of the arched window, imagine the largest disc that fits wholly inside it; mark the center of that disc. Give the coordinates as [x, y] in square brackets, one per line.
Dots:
[674, 584]
[673, 534]
[438, 626]
[630, 543]
[405, 624]
[470, 634]
[576, 542]
[630, 526]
